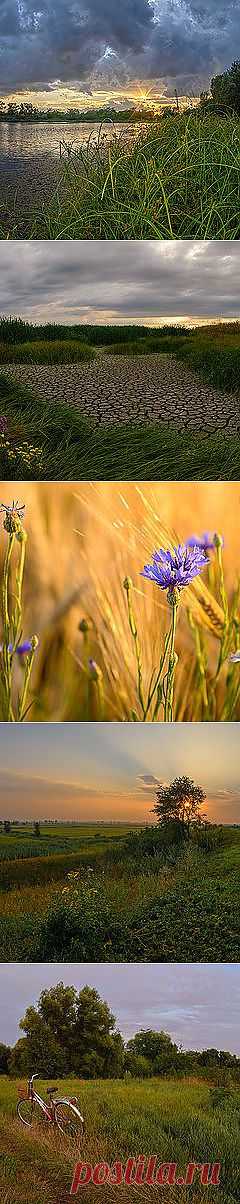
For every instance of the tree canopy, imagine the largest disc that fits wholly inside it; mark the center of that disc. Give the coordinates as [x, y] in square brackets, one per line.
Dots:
[69, 1032]
[225, 88]
[180, 803]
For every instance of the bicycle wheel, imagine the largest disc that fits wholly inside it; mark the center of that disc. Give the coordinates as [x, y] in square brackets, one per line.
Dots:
[69, 1122]
[25, 1111]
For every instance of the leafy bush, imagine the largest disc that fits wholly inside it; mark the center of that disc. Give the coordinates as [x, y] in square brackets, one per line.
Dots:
[225, 88]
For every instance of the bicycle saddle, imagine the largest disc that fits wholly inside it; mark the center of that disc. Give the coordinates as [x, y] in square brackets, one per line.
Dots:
[50, 1089]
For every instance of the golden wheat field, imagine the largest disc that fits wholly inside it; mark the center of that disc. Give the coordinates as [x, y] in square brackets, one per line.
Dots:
[83, 540]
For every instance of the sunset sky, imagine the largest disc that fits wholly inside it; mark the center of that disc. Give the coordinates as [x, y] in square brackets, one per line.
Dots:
[76, 51]
[110, 771]
[97, 282]
[197, 1004]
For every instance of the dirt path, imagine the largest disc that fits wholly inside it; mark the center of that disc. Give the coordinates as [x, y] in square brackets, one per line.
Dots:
[117, 388]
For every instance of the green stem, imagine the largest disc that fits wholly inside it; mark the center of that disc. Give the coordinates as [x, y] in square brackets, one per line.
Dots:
[6, 654]
[16, 620]
[200, 659]
[134, 633]
[156, 685]
[168, 708]
[224, 601]
[28, 669]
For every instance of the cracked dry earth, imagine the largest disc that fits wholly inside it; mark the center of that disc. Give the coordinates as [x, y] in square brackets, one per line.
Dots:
[119, 389]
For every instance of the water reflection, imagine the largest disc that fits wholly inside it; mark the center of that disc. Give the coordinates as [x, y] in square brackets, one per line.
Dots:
[22, 141]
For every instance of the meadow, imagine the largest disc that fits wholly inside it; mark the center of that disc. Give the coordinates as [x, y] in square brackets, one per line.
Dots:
[183, 1121]
[86, 664]
[178, 178]
[119, 896]
[43, 438]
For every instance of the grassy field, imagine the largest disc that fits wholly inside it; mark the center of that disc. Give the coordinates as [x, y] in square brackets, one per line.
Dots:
[65, 587]
[181, 1121]
[133, 905]
[177, 179]
[45, 442]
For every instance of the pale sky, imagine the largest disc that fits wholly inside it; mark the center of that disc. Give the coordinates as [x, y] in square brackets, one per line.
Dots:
[197, 1004]
[110, 770]
[97, 282]
[83, 46]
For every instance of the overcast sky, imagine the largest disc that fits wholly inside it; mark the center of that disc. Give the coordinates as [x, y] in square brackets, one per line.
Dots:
[113, 773]
[116, 282]
[106, 43]
[197, 1004]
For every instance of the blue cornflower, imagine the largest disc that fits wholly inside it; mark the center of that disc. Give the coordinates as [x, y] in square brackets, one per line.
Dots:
[205, 541]
[235, 656]
[22, 649]
[174, 570]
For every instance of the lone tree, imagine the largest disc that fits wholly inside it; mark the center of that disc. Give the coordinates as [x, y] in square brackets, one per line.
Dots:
[36, 828]
[69, 1032]
[180, 803]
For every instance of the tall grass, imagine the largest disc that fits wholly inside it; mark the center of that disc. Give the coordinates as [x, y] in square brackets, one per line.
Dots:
[43, 351]
[16, 330]
[177, 179]
[178, 1120]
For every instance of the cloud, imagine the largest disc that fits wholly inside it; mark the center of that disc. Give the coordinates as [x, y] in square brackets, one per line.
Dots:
[86, 281]
[148, 779]
[180, 42]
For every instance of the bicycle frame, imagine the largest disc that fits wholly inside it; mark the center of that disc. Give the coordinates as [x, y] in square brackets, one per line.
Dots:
[49, 1110]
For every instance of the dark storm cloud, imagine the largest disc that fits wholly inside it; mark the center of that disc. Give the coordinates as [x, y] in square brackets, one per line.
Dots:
[86, 281]
[177, 41]
[197, 1004]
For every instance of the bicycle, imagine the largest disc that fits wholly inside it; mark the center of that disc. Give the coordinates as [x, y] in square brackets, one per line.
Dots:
[63, 1114]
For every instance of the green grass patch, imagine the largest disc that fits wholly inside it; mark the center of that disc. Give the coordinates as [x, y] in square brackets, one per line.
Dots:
[43, 351]
[211, 351]
[178, 179]
[123, 1118]
[73, 448]
[169, 904]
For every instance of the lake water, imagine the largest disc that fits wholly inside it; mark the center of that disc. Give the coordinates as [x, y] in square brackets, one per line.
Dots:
[26, 141]
[31, 168]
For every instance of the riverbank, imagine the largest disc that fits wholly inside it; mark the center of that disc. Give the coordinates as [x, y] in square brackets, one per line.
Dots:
[178, 178]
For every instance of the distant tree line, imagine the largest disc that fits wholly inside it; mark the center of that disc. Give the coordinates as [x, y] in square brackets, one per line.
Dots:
[71, 1033]
[16, 330]
[28, 112]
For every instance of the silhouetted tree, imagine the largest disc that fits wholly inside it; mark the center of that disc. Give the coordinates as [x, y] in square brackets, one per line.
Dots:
[180, 803]
[36, 828]
[7, 826]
